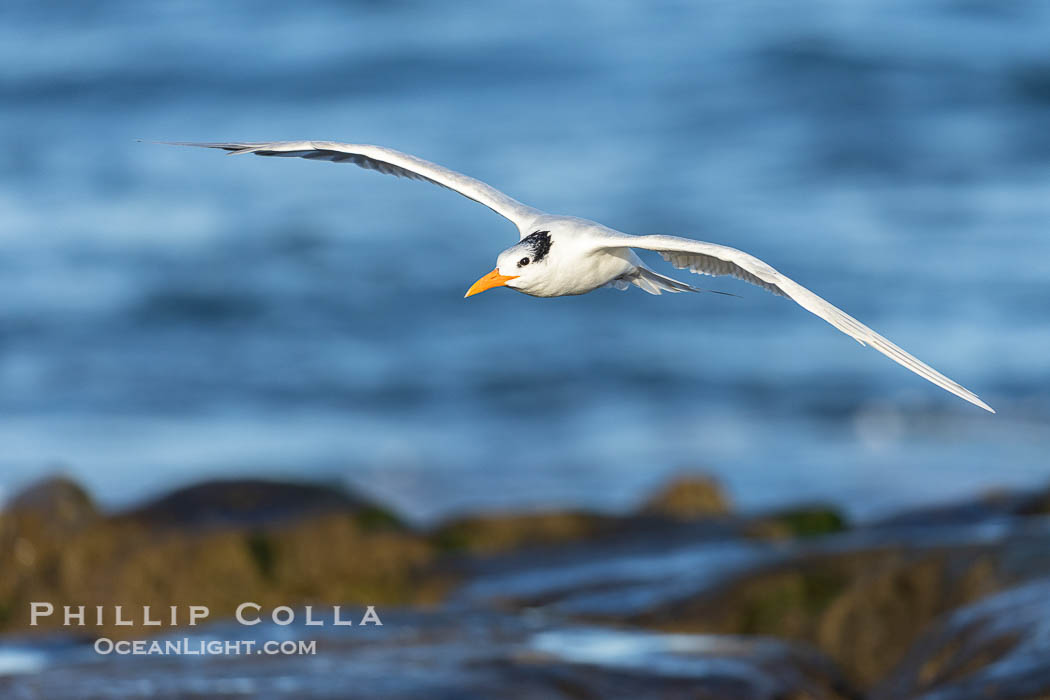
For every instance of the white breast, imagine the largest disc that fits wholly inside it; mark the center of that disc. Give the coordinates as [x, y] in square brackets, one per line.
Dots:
[577, 262]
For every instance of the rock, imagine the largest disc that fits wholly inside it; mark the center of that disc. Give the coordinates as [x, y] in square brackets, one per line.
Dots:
[57, 501]
[861, 608]
[34, 528]
[991, 505]
[873, 621]
[257, 502]
[687, 578]
[216, 544]
[493, 533]
[669, 513]
[783, 600]
[804, 521]
[1037, 503]
[995, 648]
[688, 498]
[336, 559]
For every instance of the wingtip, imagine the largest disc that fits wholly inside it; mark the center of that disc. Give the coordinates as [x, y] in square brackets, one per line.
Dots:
[231, 149]
[196, 144]
[166, 143]
[976, 401]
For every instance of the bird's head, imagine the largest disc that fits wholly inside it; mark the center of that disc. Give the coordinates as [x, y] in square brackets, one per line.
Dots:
[519, 267]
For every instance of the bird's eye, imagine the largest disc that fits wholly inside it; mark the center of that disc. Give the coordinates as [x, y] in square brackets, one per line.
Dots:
[523, 262]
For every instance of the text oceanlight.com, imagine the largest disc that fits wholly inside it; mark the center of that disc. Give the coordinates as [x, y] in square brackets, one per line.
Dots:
[205, 647]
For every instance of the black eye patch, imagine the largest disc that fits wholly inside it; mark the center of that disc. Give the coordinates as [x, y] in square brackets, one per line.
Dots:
[538, 243]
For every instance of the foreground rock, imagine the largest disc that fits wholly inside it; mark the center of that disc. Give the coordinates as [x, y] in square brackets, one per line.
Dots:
[684, 500]
[680, 599]
[863, 597]
[996, 648]
[216, 544]
[504, 532]
[862, 608]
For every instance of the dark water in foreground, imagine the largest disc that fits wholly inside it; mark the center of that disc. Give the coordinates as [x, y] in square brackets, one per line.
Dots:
[168, 314]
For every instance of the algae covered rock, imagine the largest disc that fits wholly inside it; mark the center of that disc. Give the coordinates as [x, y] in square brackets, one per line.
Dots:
[214, 544]
[994, 648]
[869, 627]
[56, 500]
[688, 498]
[861, 608]
[803, 521]
[257, 501]
[501, 532]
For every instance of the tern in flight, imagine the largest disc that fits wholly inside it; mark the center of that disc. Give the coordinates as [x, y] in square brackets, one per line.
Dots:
[565, 255]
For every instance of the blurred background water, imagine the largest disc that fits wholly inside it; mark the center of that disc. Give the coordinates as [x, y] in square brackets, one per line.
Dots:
[168, 314]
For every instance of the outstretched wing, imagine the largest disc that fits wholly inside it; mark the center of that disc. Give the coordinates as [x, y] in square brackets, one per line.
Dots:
[717, 260]
[390, 162]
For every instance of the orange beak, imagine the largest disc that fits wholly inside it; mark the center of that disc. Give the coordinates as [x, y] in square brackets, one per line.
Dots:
[492, 279]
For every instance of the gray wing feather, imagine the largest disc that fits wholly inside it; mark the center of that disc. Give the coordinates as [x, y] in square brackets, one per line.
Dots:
[716, 267]
[389, 162]
[717, 260]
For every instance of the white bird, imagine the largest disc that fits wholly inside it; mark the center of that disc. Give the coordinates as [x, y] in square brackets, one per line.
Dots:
[566, 255]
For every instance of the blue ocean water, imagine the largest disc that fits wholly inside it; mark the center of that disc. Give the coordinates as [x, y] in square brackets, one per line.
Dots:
[168, 315]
